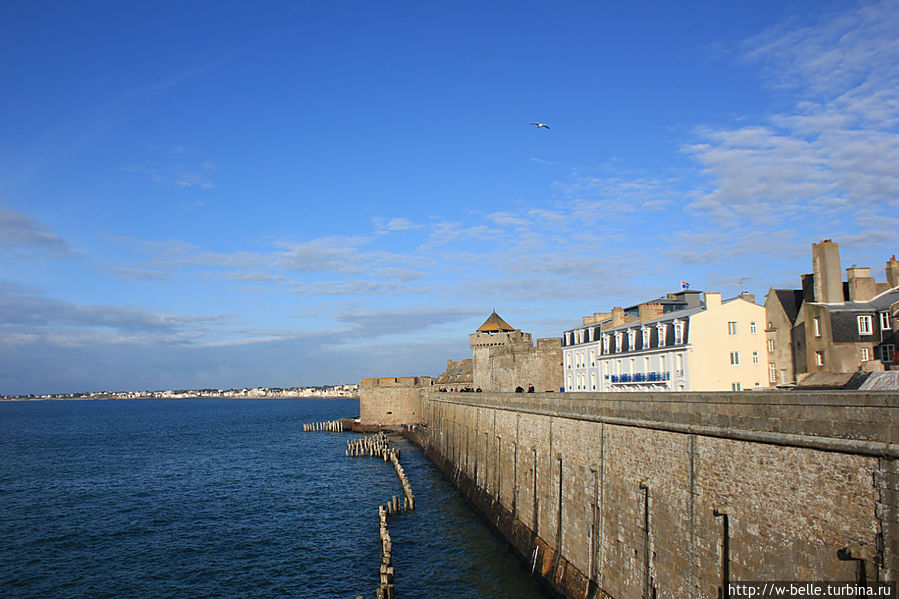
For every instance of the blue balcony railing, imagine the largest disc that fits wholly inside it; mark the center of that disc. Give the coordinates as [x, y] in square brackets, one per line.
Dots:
[641, 377]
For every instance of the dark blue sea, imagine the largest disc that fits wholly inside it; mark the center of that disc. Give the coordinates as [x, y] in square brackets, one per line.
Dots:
[224, 498]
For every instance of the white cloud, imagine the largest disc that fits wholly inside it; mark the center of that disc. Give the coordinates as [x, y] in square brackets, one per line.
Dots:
[387, 225]
[23, 233]
[333, 254]
[837, 149]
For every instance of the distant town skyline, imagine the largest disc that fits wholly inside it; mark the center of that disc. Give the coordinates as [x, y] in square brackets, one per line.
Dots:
[204, 196]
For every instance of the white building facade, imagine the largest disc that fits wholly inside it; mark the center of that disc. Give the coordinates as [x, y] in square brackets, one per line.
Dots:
[718, 346]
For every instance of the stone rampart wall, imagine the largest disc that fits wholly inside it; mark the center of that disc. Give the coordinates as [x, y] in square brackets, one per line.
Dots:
[505, 367]
[391, 401]
[672, 494]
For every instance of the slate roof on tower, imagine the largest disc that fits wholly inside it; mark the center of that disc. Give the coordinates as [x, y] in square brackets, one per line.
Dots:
[495, 324]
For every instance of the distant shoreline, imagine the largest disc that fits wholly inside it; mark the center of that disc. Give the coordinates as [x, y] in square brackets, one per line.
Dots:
[151, 397]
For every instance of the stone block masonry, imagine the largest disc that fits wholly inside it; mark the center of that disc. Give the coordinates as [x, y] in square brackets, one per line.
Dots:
[391, 401]
[676, 494]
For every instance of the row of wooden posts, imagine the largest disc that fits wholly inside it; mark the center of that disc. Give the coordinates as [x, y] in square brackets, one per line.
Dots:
[379, 447]
[331, 426]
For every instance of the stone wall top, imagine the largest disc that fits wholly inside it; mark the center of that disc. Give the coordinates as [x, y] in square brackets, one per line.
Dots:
[396, 381]
[853, 422]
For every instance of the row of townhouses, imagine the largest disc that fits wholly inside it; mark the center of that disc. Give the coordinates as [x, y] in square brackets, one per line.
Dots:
[695, 341]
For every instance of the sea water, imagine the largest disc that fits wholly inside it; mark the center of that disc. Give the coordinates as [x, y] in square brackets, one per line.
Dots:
[225, 498]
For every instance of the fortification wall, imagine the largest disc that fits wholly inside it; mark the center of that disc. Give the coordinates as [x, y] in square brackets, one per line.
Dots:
[503, 367]
[674, 494]
[391, 401]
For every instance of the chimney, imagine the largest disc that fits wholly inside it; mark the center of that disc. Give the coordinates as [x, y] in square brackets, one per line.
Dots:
[712, 300]
[808, 287]
[749, 297]
[617, 316]
[861, 284]
[828, 274]
[893, 272]
[597, 317]
[650, 311]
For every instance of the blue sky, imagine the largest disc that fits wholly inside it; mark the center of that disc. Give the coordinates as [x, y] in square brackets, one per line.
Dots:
[222, 194]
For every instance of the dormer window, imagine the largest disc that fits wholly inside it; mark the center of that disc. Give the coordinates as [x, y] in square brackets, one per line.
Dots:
[678, 332]
[618, 341]
[605, 344]
[631, 338]
[645, 332]
[662, 328]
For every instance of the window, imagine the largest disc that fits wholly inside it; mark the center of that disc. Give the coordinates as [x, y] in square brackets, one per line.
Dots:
[817, 326]
[662, 363]
[884, 321]
[631, 338]
[569, 380]
[734, 358]
[753, 328]
[568, 362]
[593, 381]
[736, 387]
[887, 352]
[678, 332]
[645, 332]
[680, 363]
[865, 325]
[646, 364]
[592, 357]
[770, 344]
[819, 358]
[772, 373]
[618, 341]
[662, 328]
[605, 344]
[755, 357]
[864, 354]
[732, 328]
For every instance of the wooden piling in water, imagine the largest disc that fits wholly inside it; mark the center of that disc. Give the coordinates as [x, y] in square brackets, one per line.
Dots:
[377, 446]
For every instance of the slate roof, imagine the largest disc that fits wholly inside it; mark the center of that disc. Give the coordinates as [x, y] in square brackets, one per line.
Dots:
[495, 324]
[791, 300]
[878, 302]
[882, 381]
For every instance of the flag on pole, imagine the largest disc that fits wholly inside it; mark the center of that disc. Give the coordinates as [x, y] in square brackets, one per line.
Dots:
[684, 285]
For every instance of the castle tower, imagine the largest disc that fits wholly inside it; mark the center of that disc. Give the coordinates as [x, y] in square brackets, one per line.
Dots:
[494, 334]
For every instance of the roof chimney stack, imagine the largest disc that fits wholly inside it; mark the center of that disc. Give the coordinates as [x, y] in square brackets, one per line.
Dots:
[828, 274]
[893, 272]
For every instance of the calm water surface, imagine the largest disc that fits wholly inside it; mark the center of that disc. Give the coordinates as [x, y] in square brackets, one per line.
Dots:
[224, 498]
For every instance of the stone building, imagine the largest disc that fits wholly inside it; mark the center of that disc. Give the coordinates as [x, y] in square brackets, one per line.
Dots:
[505, 359]
[677, 343]
[456, 376]
[831, 325]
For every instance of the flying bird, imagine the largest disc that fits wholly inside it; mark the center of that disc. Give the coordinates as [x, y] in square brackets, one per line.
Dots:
[544, 125]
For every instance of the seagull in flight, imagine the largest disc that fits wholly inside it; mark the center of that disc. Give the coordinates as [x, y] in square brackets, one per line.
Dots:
[544, 125]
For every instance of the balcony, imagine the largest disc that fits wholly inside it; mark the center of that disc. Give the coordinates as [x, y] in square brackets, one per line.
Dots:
[641, 377]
